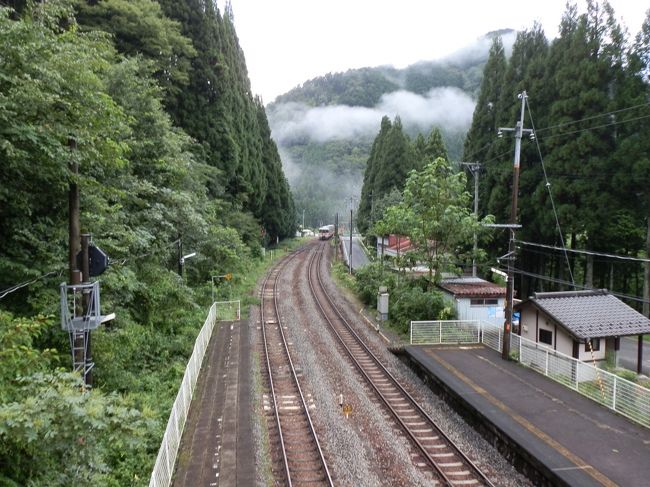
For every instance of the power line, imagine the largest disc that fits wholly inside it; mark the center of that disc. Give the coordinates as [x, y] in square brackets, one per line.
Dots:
[564, 124]
[550, 195]
[574, 285]
[573, 132]
[584, 252]
[16, 287]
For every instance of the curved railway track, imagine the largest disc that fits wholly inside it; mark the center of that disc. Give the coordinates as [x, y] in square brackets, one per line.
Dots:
[296, 452]
[434, 450]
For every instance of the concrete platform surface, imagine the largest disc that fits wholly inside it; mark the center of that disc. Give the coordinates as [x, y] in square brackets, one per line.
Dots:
[576, 441]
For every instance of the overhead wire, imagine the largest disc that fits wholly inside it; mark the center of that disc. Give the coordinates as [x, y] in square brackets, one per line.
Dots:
[584, 252]
[21, 285]
[548, 188]
[574, 285]
[572, 122]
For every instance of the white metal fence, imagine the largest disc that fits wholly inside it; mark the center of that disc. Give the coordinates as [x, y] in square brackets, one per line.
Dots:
[621, 395]
[441, 332]
[163, 469]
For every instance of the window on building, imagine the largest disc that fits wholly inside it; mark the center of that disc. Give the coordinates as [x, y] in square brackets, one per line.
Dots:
[546, 336]
[595, 343]
[483, 302]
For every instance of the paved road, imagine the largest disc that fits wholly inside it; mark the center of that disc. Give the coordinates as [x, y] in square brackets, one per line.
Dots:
[359, 257]
[627, 355]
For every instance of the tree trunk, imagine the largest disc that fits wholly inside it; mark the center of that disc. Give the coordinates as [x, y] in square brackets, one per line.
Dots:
[589, 272]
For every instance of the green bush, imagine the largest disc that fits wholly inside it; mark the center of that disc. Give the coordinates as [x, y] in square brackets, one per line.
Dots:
[368, 280]
[409, 303]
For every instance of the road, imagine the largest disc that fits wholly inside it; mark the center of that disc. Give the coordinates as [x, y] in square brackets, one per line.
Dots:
[627, 355]
[359, 257]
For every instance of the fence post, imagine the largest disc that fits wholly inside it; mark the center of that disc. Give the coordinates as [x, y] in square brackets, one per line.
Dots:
[546, 365]
[614, 393]
[440, 332]
[411, 332]
[577, 373]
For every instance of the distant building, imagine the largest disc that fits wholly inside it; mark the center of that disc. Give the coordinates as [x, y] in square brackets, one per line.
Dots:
[474, 298]
[575, 322]
[393, 245]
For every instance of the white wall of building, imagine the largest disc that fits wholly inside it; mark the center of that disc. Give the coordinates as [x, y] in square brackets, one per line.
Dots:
[466, 311]
[531, 323]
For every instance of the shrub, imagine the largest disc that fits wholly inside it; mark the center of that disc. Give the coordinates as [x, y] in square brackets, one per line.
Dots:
[370, 278]
[413, 303]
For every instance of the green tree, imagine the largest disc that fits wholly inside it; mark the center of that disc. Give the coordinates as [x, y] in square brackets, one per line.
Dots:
[139, 27]
[391, 159]
[484, 121]
[435, 214]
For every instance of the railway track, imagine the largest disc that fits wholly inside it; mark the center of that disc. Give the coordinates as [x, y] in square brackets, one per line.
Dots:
[433, 449]
[296, 452]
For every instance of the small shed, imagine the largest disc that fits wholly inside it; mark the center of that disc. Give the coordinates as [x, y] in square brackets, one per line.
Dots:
[474, 298]
[586, 325]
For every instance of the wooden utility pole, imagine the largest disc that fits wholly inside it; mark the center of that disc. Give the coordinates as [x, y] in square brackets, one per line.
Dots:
[73, 216]
[510, 286]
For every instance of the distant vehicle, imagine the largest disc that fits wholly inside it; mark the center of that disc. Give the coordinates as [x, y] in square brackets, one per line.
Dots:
[326, 232]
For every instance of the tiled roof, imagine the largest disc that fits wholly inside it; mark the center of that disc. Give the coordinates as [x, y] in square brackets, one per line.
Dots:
[472, 287]
[591, 314]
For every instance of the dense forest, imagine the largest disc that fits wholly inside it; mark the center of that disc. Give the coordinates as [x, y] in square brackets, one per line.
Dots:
[585, 176]
[326, 126]
[145, 109]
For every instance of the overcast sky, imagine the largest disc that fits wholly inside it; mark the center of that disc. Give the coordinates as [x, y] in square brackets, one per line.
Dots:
[287, 42]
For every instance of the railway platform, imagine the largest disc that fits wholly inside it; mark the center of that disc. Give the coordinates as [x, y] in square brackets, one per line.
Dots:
[217, 443]
[551, 433]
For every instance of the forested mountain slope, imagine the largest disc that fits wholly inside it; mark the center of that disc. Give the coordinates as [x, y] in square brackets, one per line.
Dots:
[325, 127]
[145, 108]
[584, 178]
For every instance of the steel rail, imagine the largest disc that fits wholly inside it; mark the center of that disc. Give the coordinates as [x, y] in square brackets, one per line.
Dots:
[277, 270]
[481, 477]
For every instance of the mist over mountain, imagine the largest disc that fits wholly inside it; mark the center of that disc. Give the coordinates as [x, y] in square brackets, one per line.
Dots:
[324, 128]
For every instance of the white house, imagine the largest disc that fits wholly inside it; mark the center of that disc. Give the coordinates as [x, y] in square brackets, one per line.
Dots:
[474, 298]
[582, 324]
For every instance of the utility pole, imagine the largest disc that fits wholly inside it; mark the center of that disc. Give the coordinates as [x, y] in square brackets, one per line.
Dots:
[474, 168]
[336, 237]
[510, 285]
[303, 220]
[350, 256]
[73, 216]
[180, 255]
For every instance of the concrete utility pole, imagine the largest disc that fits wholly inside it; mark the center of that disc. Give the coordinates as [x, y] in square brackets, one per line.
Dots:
[474, 168]
[350, 256]
[510, 286]
[336, 237]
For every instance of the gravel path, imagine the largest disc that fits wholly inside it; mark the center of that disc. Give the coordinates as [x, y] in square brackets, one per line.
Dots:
[365, 448]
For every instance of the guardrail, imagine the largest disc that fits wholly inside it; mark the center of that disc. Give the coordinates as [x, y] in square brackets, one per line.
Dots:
[621, 395]
[163, 469]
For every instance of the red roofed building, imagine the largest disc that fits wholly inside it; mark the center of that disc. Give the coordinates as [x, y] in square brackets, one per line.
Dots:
[474, 298]
[393, 245]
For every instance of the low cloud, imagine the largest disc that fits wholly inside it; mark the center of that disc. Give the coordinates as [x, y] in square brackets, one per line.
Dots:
[447, 107]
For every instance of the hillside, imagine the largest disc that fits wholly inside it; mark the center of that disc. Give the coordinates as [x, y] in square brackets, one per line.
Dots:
[324, 128]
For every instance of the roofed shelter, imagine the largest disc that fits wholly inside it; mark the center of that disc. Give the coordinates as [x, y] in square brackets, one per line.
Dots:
[474, 298]
[586, 325]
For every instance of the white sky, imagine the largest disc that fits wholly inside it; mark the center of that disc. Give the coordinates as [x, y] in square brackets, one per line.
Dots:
[287, 42]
